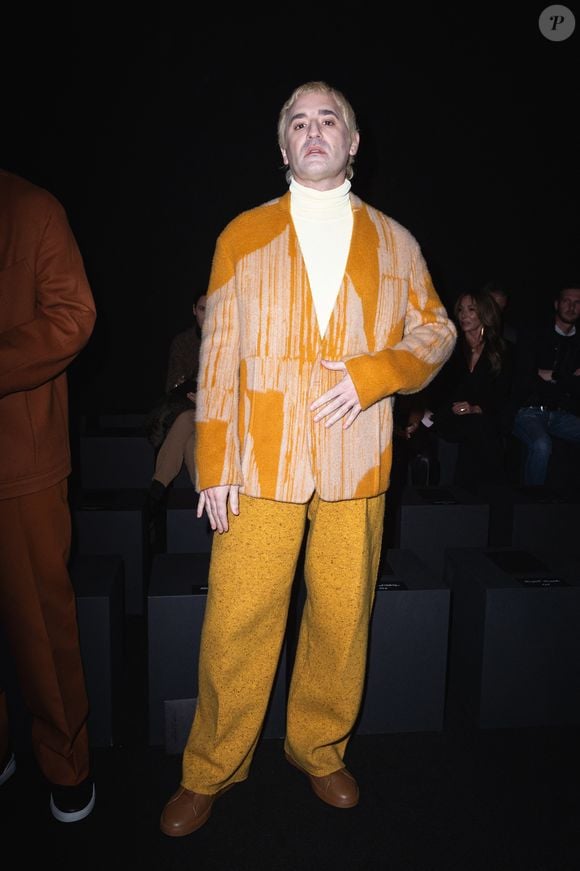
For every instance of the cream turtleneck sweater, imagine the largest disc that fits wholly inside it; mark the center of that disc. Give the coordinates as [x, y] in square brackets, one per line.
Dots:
[323, 221]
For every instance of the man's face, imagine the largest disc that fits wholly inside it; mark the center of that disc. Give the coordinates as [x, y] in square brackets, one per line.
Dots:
[318, 142]
[500, 298]
[568, 307]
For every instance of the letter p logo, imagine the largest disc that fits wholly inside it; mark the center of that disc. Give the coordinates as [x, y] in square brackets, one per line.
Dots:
[557, 23]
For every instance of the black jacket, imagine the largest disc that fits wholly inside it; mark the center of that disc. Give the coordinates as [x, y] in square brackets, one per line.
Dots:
[544, 348]
[481, 387]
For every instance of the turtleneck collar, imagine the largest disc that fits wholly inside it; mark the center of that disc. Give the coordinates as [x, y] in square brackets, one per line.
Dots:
[311, 203]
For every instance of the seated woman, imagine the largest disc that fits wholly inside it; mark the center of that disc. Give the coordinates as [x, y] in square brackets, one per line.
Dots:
[468, 400]
[170, 426]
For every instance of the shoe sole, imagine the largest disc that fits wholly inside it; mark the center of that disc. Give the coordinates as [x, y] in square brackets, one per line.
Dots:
[316, 792]
[72, 816]
[201, 821]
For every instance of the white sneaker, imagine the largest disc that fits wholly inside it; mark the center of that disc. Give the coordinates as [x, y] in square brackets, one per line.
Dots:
[69, 804]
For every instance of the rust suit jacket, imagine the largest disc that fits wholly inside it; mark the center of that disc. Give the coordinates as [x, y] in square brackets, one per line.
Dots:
[47, 314]
[261, 350]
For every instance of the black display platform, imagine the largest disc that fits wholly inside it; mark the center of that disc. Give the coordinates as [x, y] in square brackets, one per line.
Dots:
[431, 519]
[515, 644]
[176, 605]
[114, 523]
[185, 532]
[407, 661]
[536, 517]
[98, 581]
[120, 459]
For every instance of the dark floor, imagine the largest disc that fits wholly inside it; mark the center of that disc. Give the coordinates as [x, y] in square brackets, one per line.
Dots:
[429, 801]
[464, 798]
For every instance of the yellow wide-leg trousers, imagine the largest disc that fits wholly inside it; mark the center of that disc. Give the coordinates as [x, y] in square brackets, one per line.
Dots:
[250, 581]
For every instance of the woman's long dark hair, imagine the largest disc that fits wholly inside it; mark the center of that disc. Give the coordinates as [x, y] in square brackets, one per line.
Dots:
[489, 313]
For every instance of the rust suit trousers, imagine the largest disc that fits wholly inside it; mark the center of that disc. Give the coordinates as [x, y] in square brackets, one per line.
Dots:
[39, 621]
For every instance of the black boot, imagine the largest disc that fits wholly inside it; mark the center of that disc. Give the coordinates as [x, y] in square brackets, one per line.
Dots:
[420, 471]
[157, 496]
[156, 503]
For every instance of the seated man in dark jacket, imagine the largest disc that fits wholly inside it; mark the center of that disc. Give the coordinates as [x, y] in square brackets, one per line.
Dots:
[546, 386]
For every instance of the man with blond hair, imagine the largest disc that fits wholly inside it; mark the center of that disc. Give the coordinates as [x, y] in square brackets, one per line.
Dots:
[319, 310]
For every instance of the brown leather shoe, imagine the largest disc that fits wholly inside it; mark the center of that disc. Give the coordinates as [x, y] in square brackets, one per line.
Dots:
[338, 789]
[187, 811]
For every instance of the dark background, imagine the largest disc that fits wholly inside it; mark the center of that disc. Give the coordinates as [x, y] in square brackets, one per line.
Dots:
[155, 128]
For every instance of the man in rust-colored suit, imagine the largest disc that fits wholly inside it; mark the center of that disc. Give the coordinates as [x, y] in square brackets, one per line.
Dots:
[47, 315]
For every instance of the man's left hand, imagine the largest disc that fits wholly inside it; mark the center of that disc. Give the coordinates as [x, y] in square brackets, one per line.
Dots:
[340, 401]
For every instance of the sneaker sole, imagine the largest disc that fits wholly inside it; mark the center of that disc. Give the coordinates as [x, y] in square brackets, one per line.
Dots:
[72, 816]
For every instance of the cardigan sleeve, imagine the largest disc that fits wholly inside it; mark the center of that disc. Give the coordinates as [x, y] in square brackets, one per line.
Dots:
[217, 444]
[428, 340]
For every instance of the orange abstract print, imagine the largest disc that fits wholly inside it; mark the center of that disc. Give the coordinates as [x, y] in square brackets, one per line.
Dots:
[260, 357]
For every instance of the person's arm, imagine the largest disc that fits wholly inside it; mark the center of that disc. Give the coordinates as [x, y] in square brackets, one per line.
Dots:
[569, 384]
[175, 374]
[33, 352]
[217, 449]
[428, 340]
[440, 392]
[413, 420]
[451, 389]
[532, 370]
[567, 374]
[183, 359]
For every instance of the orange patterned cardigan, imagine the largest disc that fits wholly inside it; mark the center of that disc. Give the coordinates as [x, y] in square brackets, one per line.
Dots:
[261, 350]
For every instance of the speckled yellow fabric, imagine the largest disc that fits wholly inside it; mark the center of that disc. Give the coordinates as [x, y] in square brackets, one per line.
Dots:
[251, 575]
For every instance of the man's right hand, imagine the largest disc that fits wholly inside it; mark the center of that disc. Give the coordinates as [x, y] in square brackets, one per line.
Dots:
[215, 501]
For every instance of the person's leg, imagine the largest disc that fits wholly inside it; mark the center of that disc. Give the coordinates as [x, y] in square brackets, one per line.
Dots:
[531, 428]
[564, 426]
[172, 451]
[251, 575]
[38, 613]
[341, 566]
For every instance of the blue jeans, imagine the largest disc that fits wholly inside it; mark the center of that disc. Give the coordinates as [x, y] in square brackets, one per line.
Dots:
[535, 428]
